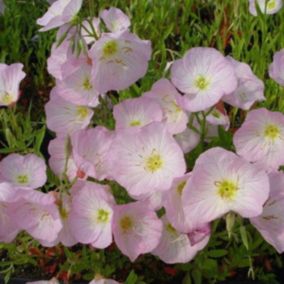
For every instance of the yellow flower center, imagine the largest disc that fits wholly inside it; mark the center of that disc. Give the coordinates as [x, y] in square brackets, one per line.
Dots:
[154, 162]
[272, 132]
[170, 229]
[201, 83]
[7, 99]
[63, 212]
[22, 179]
[103, 216]
[87, 86]
[126, 224]
[180, 187]
[82, 112]
[271, 4]
[135, 123]
[227, 189]
[110, 48]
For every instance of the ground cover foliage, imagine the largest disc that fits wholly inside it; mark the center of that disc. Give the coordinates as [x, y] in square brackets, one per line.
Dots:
[173, 27]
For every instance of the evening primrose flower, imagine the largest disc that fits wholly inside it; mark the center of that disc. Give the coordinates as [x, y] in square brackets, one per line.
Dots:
[265, 6]
[222, 182]
[23, 171]
[176, 247]
[276, 69]
[146, 161]
[64, 117]
[61, 160]
[90, 150]
[120, 60]
[164, 93]
[270, 223]
[59, 13]
[136, 229]
[260, 139]
[37, 213]
[250, 88]
[115, 20]
[136, 113]
[91, 215]
[78, 87]
[10, 78]
[204, 76]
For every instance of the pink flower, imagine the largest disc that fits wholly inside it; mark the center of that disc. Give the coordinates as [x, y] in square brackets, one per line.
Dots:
[61, 160]
[276, 69]
[136, 113]
[169, 99]
[37, 213]
[51, 281]
[146, 161]
[176, 247]
[90, 150]
[120, 60]
[265, 6]
[260, 139]
[23, 171]
[136, 229]
[222, 182]
[200, 75]
[59, 13]
[88, 30]
[250, 89]
[115, 20]
[187, 140]
[270, 223]
[91, 214]
[8, 228]
[172, 202]
[10, 78]
[64, 117]
[78, 88]
[62, 62]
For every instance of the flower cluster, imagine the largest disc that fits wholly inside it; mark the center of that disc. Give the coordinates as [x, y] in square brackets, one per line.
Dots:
[145, 153]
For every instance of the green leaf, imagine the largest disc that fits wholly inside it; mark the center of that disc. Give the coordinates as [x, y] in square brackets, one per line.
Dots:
[132, 278]
[215, 253]
[244, 237]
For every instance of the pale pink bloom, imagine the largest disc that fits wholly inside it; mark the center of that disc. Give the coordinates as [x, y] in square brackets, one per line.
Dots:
[8, 228]
[65, 235]
[64, 117]
[136, 229]
[222, 182]
[250, 88]
[169, 99]
[265, 6]
[146, 161]
[91, 214]
[59, 13]
[175, 247]
[115, 20]
[62, 62]
[205, 76]
[10, 78]
[23, 171]
[120, 60]
[172, 202]
[187, 140]
[260, 139]
[88, 30]
[104, 281]
[136, 113]
[276, 69]
[78, 88]
[61, 160]
[37, 213]
[90, 150]
[51, 281]
[270, 223]
[200, 236]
